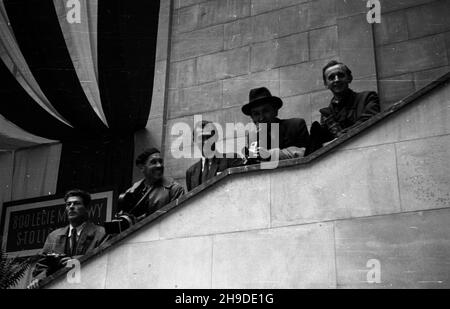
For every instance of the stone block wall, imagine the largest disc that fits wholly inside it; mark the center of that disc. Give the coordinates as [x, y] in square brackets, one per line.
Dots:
[222, 48]
[412, 46]
[212, 52]
[382, 197]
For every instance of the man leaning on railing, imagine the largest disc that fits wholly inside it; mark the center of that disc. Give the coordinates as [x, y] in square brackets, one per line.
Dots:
[284, 138]
[147, 195]
[71, 242]
[347, 108]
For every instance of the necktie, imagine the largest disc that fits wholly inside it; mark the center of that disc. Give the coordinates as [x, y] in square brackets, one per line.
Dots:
[205, 171]
[73, 242]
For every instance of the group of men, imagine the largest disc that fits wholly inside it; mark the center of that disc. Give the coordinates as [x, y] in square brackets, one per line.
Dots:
[346, 110]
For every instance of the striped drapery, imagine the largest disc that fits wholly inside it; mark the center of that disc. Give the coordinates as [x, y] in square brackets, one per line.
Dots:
[81, 41]
[12, 137]
[87, 84]
[13, 59]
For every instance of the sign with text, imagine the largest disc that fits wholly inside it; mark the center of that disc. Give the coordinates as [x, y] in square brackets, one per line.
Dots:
[27, 224]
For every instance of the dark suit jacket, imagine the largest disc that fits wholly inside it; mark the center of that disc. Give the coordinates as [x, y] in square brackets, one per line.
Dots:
[218, 165]
[57, 242]
[160, 194]
[356, 108]
[293, 132]
[90, 238]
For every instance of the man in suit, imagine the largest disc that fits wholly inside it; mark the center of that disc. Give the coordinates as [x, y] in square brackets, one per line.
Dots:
[72, 241]
[347, 108]
[211, 162]
[293, 136]
[153, 191]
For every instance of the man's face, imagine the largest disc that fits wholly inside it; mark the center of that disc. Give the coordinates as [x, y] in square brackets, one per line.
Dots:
[153, 169]
[336, 79]
[264, 113]
[207, 144]
[75, 209]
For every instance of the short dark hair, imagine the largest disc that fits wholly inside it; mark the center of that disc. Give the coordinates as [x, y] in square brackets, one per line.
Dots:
[143, 157]
[203, 124]
[333, 63]
[85, 196]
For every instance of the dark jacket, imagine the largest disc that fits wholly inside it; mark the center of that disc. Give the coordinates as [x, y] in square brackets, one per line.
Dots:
[57, 242]
[218, 165]
[90, 238]
[354, 109]
[160, 194]
[293, 132]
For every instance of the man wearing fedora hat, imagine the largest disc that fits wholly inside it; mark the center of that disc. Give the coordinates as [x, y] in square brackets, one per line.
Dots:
[293, 135]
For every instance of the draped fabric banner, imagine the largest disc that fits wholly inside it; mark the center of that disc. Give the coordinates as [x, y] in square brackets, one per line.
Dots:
[35, 171]
[18, 107]
[97, 73]
[40, 38]
[12, 137]
[81, 41]
[12, 57]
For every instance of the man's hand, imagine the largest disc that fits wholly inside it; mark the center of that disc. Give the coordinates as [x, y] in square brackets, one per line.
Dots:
[34, 284]
[263, 153]
[64, 260]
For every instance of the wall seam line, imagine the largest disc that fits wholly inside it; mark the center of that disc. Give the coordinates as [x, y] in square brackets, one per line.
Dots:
[398, 178]
[320, 221]
[213, 238]
[335, 255]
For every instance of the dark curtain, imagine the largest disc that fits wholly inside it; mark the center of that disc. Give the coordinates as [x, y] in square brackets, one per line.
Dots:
[21, 109]
[99, 163]
[93, 156]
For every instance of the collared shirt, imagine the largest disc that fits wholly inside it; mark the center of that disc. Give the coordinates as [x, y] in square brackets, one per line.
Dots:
[203, 163]
[206, 160]
[78, 229]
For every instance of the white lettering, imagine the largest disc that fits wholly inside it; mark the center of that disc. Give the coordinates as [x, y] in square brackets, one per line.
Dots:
[74, 14]
[374, 14]
[74, 275]
[374, 274]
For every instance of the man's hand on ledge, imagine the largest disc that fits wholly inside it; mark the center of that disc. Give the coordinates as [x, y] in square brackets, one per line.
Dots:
[281, 154]
[264, 153]
[291, 153]
[66, 260]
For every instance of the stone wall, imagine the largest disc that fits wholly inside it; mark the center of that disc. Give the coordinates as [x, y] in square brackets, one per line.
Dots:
[382, 196]
[412, 46]
[222, 48]
[212, 52]
[217, 50]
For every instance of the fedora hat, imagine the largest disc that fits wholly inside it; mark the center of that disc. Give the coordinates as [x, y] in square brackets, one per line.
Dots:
[258, 96]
